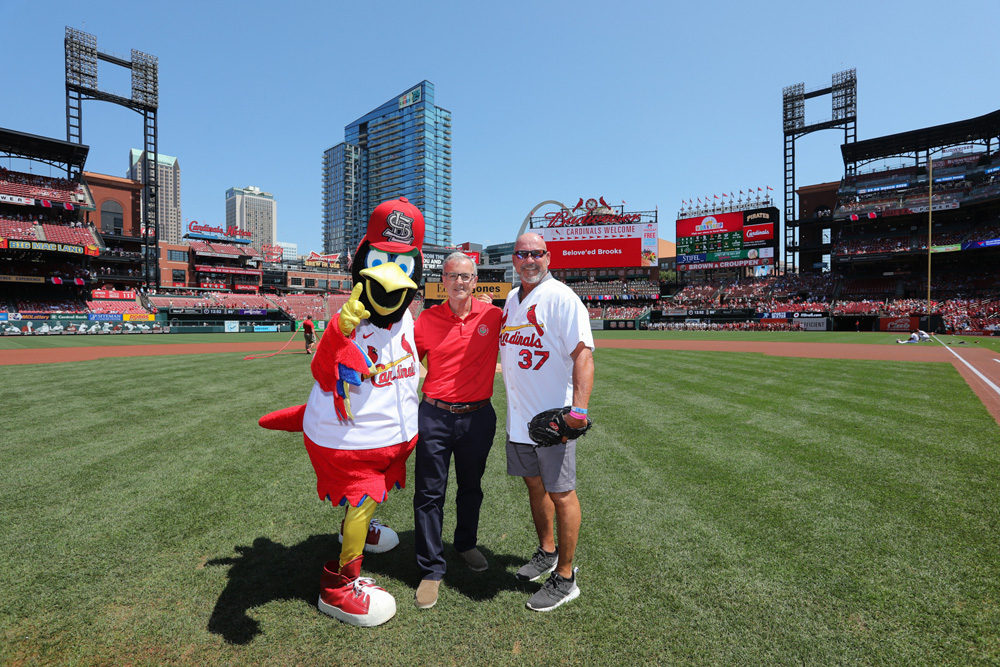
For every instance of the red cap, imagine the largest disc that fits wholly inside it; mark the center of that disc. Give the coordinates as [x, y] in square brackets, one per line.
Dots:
[396, 226]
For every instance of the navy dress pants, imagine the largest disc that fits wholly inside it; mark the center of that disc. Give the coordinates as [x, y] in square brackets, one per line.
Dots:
[469, 438]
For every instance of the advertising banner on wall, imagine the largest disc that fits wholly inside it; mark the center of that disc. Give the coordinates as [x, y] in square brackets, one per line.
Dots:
[128, 295]
[601, 246]
[899, 324]
[205, 268]
[50, 246]
[436, 291]
[813, 324]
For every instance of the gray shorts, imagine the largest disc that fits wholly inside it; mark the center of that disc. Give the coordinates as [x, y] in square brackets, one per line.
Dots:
[556, 465]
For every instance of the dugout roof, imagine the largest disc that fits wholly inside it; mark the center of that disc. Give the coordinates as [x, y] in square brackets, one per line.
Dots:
[917, 141]
[32, 146]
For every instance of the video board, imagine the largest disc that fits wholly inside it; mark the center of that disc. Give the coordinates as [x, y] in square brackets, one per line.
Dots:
[602, 246]
[728, 240]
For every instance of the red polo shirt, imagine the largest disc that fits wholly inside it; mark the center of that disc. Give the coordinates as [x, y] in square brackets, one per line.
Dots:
[461, 354]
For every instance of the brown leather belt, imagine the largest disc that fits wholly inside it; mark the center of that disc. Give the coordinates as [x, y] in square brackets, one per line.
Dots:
[457, 408]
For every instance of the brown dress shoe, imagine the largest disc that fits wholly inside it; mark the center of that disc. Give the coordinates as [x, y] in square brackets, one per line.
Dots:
[427, 593]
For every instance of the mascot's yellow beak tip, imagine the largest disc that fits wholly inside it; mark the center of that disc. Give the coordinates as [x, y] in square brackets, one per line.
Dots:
[391, 278]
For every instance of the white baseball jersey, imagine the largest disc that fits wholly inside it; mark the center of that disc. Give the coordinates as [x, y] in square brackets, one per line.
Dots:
[384, 406]
[536, 339]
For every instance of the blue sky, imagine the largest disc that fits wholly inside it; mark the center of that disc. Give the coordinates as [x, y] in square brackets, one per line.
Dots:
[646, 102]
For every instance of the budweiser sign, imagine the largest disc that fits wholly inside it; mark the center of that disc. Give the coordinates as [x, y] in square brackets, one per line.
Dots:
[591, 212]
[316, 259]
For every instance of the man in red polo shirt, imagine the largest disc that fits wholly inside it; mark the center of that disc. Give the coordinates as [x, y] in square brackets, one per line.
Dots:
[460, 339]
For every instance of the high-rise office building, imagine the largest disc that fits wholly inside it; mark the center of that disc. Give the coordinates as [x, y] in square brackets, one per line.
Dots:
[289, 251]
[168, 180]
[250, 210]
[401, 149]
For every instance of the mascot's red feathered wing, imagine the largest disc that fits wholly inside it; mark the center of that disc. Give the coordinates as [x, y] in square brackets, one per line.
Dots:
[360, 423]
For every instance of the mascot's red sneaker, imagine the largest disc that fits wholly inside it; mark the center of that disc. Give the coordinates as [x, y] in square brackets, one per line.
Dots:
[381, 538]
[354, 599]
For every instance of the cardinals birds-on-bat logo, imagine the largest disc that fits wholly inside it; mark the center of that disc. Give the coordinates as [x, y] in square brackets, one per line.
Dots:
[534, 320]
[383, 377]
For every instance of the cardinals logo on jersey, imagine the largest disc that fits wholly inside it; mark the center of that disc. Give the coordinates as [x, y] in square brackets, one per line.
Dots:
[386, 374]
[509, 335]
[534, 320]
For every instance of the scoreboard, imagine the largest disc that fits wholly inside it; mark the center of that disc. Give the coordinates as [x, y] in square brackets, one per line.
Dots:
[716, 242]
[728, 240]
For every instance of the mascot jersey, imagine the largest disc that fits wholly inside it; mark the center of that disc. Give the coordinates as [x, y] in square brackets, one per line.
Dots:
[536, 338]
[384, 406]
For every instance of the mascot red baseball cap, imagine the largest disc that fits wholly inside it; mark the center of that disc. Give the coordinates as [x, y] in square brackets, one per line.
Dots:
[395, 226]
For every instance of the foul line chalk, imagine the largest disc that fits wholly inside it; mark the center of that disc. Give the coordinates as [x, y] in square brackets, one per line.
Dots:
[971, 367]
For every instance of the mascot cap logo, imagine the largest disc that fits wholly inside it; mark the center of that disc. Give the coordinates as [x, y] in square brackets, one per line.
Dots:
[395, 226]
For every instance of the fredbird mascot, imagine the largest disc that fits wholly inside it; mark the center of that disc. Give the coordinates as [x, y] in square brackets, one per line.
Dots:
[360, 423]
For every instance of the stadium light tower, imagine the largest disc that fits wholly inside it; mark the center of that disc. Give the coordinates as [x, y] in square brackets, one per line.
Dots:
[844, 93]
[81, 84]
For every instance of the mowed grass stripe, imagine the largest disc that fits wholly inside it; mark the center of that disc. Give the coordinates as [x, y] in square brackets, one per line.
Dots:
[756, 470]
[738, 509]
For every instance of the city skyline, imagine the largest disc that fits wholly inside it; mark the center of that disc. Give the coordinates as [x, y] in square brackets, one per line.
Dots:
[644, 103]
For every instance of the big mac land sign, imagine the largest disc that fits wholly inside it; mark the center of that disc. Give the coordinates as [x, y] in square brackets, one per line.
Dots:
[594, 234]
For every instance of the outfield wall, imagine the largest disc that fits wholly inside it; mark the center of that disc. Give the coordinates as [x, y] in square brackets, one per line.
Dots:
[230, 321]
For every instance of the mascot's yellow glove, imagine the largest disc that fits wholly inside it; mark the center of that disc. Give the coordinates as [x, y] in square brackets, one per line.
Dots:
[353, 311]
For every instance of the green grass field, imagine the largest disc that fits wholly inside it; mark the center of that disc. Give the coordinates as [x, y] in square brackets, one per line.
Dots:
[867, 338]
[738, 510]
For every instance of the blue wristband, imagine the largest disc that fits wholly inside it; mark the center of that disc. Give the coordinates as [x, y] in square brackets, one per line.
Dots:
[582, 411]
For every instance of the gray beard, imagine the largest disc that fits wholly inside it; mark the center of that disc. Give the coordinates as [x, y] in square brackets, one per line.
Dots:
[533, 280]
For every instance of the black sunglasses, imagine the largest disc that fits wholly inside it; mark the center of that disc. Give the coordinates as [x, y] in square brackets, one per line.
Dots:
[525, 254]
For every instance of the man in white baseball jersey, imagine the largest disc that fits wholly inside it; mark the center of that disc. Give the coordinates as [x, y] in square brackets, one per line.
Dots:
[546, 353]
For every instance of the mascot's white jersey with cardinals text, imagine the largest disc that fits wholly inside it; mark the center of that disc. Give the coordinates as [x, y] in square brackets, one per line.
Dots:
[384, 406]
[536, 338]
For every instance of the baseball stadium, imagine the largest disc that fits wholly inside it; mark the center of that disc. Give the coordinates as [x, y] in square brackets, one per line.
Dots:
[772, 478]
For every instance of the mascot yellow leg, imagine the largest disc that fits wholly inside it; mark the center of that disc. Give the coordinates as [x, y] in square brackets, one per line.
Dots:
[344, 593]
[355, 530]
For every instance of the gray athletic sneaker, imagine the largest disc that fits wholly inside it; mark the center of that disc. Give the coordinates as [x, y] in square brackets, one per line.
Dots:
[541, 563]
[556, 590]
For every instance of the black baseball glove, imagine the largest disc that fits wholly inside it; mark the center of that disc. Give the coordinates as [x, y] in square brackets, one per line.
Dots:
[550, 428]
